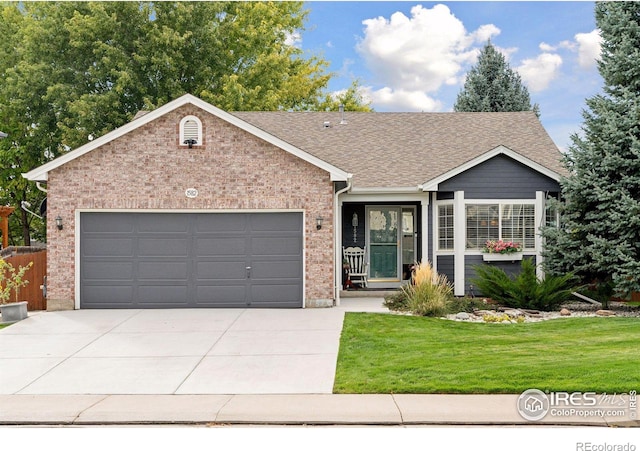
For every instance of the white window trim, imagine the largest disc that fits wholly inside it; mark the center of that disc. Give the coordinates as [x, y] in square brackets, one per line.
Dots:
[436, 233]
[501, 203]
[182, 137]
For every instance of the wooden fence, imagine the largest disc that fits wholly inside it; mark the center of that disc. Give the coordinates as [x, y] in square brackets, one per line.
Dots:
[36, 277]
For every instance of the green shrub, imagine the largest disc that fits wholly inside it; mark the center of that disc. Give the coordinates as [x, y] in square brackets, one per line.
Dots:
[524, 290]
[397, 301]
[465, 304]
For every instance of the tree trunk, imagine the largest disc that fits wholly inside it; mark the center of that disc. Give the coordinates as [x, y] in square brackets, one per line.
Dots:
[26, 233]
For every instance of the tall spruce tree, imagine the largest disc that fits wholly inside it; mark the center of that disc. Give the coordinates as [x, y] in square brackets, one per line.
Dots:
[491, 85]
[599, 237]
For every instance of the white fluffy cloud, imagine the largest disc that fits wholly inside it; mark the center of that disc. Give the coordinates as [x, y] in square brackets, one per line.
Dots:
[401, 100]
[588, 48]
[537, 73]
[417, 55]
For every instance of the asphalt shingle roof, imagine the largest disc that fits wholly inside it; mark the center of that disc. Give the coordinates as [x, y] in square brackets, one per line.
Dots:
[384, 150]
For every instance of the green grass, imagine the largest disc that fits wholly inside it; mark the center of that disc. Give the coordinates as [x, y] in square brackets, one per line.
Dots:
[381, 353]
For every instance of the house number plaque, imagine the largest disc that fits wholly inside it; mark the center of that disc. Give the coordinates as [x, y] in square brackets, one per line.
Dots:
[191, 193]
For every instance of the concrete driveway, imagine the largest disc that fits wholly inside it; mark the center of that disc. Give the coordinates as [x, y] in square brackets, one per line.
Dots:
[177, 351]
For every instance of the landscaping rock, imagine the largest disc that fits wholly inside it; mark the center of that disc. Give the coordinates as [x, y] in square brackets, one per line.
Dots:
[483, 312]
[605, 313]
[565, 312]
[513, 313]
[464, 316]
[530, 312]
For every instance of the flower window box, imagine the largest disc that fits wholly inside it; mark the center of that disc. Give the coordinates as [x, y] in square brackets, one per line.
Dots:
[511, 257]
[501, 251]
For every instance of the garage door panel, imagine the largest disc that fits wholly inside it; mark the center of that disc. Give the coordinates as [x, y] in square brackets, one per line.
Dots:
[107, 247]
[111, 224]
[121, 296]
[163, 295]
[224, 246]
[279, 222]
[221, 270]
[215, 295]
[105, 270]
[158, 223]
[278, 295]
[221, 223]
[276, 246]
[163, 270]
[276, 270]
[163, 247]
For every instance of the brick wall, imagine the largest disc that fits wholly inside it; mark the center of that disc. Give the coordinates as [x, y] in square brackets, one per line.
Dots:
[148, 169]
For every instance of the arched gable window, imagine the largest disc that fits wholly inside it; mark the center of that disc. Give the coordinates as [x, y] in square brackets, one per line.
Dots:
[190, 131]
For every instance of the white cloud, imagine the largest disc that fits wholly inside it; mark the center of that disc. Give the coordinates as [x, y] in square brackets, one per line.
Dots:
[417, 55]
[588, 48]
[538, 72]
[388, 99]
[293, 39]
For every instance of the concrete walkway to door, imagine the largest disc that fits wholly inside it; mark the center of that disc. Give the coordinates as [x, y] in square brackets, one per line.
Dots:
[175, 351]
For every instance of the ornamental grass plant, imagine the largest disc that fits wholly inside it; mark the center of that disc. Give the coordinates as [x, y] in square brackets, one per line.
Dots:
[429, 293]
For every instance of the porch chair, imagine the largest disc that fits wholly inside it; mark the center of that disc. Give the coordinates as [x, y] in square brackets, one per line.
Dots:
[356, 258]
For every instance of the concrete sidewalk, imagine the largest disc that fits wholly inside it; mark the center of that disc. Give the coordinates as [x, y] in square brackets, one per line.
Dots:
[389, 410]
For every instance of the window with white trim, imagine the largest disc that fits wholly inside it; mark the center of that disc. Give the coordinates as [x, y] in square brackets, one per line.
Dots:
[507, 222]
[445, 227]
[190, 131]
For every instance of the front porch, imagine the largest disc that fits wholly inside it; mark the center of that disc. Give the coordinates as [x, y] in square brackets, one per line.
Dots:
[391, 235]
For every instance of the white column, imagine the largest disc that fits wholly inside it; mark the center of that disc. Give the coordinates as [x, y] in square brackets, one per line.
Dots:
[337, 244]
[424, 228]
[540, 213]
[434, 231]
[459, 239]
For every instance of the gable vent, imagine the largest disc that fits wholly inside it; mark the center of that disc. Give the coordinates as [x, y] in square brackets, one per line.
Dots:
[190, 131]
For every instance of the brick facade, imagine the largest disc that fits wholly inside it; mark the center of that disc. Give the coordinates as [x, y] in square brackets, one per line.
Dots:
[147, 169]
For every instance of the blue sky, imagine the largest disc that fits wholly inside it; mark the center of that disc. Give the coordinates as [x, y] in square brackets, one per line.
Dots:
[412, 56]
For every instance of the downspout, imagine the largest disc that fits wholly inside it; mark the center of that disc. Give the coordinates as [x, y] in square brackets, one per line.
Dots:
[40, 187]
[337, 217]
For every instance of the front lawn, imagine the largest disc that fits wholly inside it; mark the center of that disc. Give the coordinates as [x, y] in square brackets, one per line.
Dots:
[381, 353]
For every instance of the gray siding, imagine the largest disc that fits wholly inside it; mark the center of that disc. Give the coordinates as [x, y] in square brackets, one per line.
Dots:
[500, 178]
[446, 266]
[347, 228]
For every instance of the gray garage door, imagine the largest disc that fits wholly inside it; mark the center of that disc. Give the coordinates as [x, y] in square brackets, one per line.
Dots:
[172, 260]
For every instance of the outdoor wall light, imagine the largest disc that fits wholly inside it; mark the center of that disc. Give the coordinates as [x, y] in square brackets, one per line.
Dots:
[59, 222]
[191, 142]
[319, 221]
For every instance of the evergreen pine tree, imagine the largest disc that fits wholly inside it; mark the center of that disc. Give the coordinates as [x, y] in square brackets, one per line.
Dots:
[599, 237]
[492, 85]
